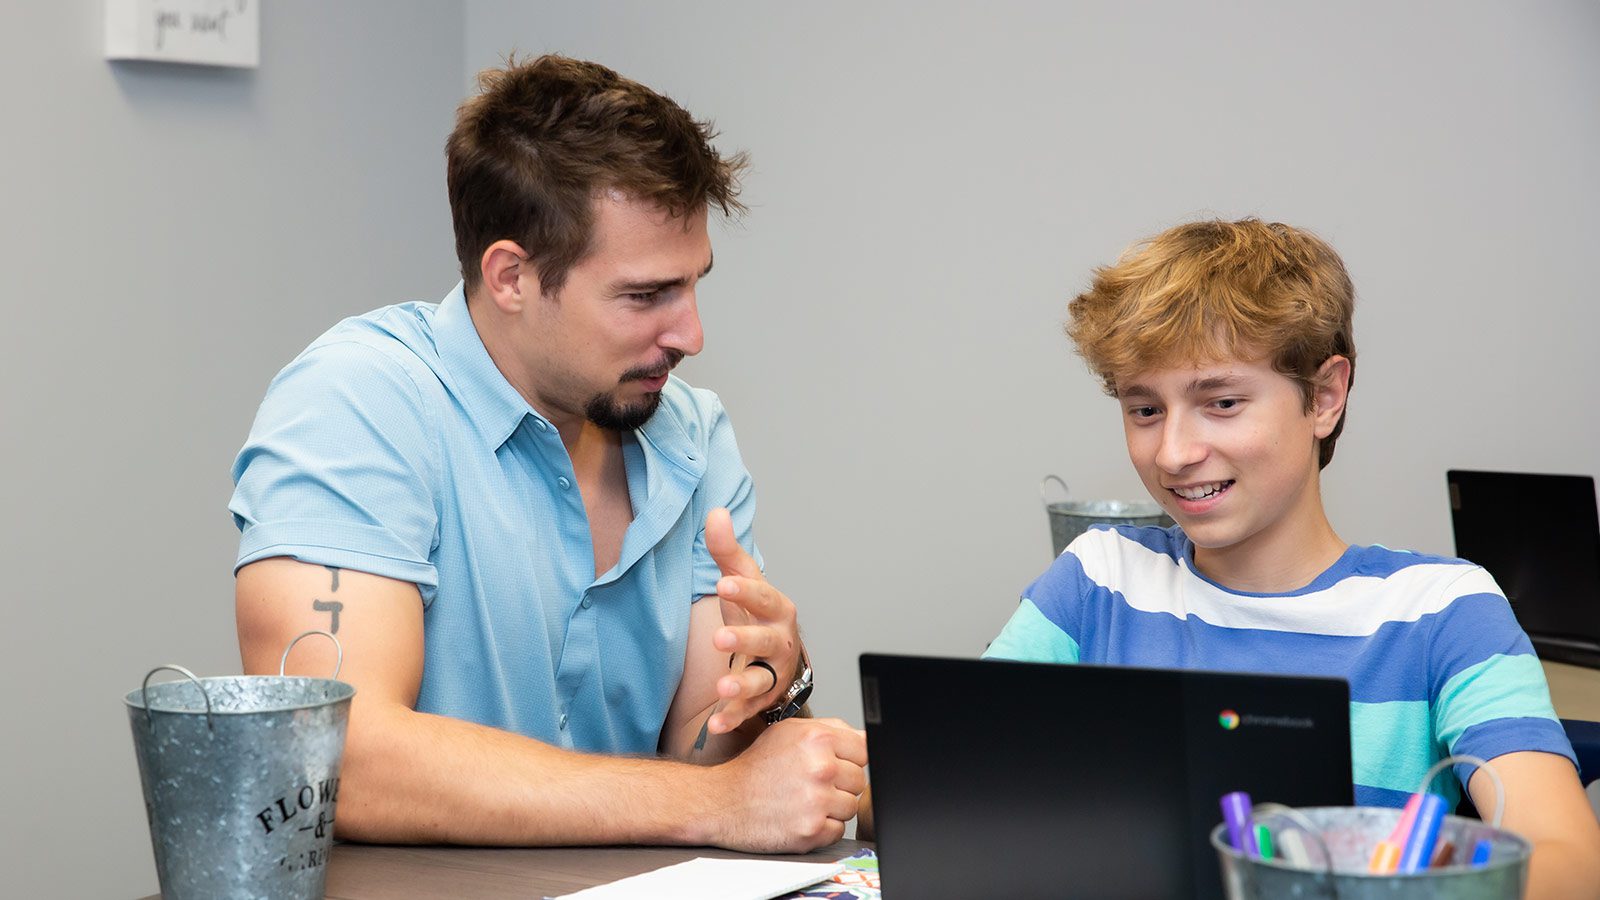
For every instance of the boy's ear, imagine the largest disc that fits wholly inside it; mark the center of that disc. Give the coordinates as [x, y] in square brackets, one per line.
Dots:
[1328, 396]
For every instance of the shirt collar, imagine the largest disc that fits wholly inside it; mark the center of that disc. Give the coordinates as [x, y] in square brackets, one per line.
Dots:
[665, 434]
[491, 401]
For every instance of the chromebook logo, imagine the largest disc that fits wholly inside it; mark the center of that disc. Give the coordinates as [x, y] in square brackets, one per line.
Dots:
[1228, 719]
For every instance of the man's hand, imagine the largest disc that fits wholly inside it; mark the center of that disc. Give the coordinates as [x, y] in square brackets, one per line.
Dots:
[795, 788]
[769, 634]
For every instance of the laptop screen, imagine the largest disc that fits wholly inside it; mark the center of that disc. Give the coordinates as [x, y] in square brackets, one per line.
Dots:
[1020, 780]
[1539, 536]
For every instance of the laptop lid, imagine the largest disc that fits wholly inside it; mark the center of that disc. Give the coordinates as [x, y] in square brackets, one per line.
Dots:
[1018, 780]
[1539, 536]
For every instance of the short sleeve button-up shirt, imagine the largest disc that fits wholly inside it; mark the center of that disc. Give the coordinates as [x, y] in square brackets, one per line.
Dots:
[393, 445]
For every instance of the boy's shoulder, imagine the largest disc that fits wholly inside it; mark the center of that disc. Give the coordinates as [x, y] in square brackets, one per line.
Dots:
[1126, 553]
[1415, 572]
[1118, 547]
[1381, 560]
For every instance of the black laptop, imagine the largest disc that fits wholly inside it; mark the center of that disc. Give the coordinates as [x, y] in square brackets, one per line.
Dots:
[1019, 780]
[1539, 536]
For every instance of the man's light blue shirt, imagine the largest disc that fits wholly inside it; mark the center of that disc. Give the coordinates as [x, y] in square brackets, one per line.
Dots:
[393, 445]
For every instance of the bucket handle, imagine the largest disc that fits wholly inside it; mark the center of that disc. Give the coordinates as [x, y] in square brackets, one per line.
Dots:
[1044, 482]
[1306, 826]
[145, 691]
[338, 663]
[1494, 777]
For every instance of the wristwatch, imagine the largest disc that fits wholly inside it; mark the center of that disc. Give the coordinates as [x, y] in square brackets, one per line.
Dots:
[795, 697]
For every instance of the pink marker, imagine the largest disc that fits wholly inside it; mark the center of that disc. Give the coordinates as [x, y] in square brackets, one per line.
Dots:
[1408, 815]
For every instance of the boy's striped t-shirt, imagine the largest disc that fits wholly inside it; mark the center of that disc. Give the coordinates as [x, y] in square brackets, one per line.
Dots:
[1436, 662]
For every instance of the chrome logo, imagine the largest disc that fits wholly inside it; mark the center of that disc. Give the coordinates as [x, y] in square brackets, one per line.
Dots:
[1228, 719]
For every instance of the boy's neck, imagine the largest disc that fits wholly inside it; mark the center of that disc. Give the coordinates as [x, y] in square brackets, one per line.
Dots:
[1285, 558]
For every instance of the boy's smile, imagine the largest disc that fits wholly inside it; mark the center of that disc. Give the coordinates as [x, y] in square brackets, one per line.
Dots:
[1197, 498]
[1230, 451]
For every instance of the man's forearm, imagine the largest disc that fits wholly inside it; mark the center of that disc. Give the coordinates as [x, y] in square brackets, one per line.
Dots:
[410, 777]
[694, 743]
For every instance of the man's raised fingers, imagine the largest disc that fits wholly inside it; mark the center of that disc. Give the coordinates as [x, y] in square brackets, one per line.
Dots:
[725, 548]
[752, 640]
[752, 683]
[755, 595]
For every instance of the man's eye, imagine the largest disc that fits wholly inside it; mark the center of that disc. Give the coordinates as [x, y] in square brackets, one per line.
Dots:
[647, 297]
[1142, 412]
[1227, 403]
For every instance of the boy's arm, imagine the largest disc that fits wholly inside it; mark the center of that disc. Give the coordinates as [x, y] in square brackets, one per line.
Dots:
[412, 777]
[1546, 804]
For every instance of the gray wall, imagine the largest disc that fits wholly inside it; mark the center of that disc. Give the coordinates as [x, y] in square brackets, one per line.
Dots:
[171, 236]
[932, 183]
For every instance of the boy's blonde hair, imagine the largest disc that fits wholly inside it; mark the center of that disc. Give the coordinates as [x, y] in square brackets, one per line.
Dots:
[1210, 291]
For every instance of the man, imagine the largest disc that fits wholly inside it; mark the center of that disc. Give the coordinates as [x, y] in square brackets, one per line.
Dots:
[506, 509]
[1229, 347]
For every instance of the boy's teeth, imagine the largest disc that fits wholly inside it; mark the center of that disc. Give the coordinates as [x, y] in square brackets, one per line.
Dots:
[1199, 491]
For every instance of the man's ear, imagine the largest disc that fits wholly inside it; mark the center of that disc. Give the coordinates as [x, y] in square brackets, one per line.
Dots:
[1331, 389]
[508, 276]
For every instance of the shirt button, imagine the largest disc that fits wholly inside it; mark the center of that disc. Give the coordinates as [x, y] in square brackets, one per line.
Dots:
[539, 424]
[563, 721]
[587, 602]
[563, 482]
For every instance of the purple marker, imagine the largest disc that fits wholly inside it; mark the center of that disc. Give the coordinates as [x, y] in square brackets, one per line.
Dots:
[1236, 812]
[1424, 834]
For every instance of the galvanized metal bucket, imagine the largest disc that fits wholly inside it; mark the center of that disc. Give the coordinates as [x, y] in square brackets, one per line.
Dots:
[1346, 837]
[1070, 518]
[240, 776]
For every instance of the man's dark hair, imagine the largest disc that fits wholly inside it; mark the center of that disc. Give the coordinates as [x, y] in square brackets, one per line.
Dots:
[542, 139]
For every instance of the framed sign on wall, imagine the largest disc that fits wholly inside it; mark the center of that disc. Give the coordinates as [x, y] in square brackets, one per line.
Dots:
[198, 32]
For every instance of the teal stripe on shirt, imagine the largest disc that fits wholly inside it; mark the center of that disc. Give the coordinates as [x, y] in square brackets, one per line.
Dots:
[1500, 687]
[1030, 637]
[1393, 745]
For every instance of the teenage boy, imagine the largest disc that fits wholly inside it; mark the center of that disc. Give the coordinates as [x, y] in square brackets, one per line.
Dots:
[1228, 346]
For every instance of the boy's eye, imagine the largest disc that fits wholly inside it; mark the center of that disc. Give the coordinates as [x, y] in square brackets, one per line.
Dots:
[1227, 403]
[1142, 412]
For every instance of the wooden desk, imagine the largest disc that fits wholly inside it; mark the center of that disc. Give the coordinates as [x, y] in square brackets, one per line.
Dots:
[367, 872]
[1574, 690]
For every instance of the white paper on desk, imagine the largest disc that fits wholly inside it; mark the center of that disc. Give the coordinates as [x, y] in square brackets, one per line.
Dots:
[714, 879]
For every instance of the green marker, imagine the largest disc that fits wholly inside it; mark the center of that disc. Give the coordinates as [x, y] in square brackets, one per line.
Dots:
[1264, 841]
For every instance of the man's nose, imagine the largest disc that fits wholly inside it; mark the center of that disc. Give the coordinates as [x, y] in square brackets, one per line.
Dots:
[684, 333]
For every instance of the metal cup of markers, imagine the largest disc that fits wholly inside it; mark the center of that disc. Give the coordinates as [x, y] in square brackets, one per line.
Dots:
[240, 778]
[1070, 518]
[1339, 853]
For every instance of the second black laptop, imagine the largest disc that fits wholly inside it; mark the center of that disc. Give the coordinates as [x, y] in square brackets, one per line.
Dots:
[1019, 780]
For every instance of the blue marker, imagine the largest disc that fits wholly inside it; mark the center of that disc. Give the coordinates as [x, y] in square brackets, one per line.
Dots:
[1236, 812]
[1418, 851]
[1481, 852]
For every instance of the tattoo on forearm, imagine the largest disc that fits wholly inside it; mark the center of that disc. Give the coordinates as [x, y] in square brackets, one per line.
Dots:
[705, 730]
[332, 606]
